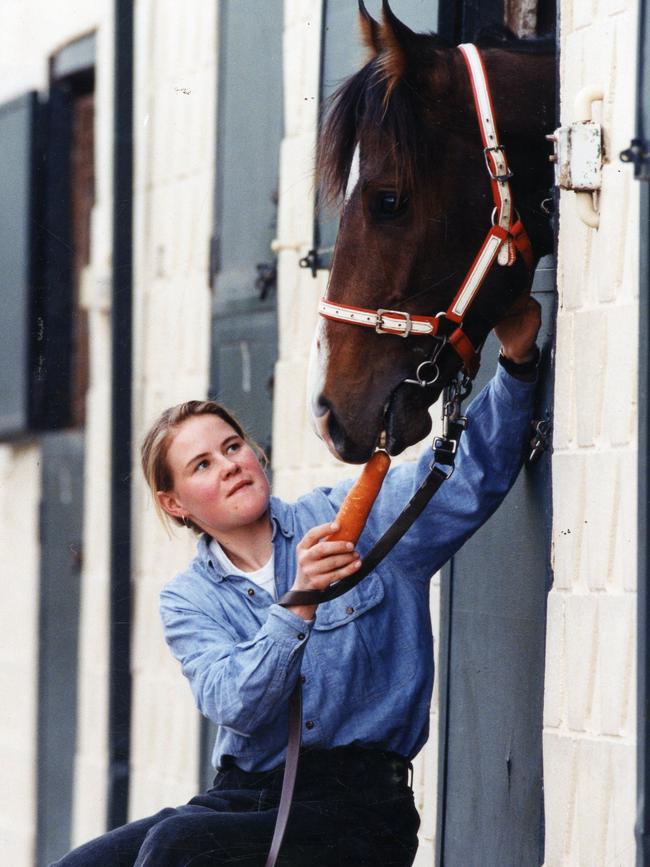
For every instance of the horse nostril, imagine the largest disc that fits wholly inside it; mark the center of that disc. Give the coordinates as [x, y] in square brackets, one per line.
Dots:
[321, 406]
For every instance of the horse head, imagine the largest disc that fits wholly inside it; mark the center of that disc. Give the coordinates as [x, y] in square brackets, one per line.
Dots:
[402, 147]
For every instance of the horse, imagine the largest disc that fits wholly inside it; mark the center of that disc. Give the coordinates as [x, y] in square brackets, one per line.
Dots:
[402, 148]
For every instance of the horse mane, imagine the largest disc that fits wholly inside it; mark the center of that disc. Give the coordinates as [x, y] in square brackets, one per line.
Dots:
[370, 107]
[387, 116]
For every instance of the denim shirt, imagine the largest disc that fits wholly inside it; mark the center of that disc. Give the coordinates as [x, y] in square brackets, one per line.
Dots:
[366, 660]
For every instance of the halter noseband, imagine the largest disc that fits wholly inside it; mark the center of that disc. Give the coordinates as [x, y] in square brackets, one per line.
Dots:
[502, 243]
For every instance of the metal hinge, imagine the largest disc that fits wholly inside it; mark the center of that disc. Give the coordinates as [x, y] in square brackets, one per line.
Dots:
[311, 261]
[214, 260]
[540, 440]
[639, 154]
[267, 276]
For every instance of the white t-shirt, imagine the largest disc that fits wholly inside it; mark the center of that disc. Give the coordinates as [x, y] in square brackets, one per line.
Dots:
[264, 577]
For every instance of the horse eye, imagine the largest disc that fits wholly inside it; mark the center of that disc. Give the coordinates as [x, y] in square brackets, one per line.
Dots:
[389, 205]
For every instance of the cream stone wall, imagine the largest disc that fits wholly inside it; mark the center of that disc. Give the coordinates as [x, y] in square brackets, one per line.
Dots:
[589, 722]
[19, 554]
[176, 76]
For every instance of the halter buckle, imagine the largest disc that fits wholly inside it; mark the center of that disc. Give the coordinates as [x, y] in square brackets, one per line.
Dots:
[499, 178]
[380, 328]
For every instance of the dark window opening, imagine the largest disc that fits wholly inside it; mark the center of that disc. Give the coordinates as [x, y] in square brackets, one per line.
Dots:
[82, 183]
[71, 185]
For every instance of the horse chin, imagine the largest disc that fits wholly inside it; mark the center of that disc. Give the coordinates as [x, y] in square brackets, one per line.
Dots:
[350, 451]
[407, 420]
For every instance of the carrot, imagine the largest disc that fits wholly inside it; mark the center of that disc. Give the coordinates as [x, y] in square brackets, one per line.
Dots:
[356, 506]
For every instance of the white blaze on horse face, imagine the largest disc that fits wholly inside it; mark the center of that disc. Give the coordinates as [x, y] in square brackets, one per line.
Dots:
[318, 357]
[353, 177]
[319, 352]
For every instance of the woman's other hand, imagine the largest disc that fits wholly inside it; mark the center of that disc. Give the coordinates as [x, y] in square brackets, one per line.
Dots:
[320, 563]
[518, 330]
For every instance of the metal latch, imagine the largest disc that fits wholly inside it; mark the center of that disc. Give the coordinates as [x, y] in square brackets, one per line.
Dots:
[578, 155]
[540, 439]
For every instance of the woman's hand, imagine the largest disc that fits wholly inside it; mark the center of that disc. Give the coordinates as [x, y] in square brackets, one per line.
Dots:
[517, 331]
[321, 563]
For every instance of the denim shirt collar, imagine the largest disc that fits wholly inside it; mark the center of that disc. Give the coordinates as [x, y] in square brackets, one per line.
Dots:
[282, 520]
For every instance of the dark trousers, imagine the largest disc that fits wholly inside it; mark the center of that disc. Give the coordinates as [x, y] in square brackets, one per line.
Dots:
[351, 807]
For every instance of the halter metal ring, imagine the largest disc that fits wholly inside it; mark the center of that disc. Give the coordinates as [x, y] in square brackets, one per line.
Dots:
[423, 383]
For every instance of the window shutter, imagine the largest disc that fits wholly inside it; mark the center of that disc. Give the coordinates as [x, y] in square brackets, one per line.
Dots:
[52, 388]
[36, 264]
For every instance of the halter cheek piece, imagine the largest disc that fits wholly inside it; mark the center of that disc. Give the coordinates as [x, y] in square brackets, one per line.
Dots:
[504, 241]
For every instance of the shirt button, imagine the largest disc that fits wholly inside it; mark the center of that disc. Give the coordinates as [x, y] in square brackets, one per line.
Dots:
[349, 610]
[301, 636]
[310, 724]
[250, 591]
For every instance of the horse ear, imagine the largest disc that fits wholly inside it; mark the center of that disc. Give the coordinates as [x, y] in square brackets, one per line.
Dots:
[369, 31]
[401, 46]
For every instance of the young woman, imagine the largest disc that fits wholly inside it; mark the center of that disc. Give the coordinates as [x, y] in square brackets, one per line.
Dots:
[365, 660]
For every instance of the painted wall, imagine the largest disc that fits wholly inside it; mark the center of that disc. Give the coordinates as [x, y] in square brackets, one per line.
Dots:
[589, 733]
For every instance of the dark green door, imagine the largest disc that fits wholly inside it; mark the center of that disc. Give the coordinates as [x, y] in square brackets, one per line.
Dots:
[250, 125]
[493, 625]
[493, 620]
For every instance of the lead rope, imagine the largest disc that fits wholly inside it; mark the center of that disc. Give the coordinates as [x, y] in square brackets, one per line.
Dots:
[444, 448]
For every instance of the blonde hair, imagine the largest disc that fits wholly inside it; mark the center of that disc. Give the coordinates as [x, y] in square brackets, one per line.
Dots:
[156, 444]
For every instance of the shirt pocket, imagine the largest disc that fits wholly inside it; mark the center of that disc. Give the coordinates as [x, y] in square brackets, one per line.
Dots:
[351, 605]
[351, 642]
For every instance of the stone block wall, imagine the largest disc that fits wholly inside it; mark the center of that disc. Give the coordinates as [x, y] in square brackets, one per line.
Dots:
[589, 720]
[19, 483]
[175, 124]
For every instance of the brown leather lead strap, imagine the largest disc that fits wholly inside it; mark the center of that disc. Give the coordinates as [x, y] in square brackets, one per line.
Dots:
[289, 778]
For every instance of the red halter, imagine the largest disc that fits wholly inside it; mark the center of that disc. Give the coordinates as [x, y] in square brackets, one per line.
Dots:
[504, 241]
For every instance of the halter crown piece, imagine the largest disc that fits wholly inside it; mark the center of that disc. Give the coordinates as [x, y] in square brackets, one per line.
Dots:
[502, 243]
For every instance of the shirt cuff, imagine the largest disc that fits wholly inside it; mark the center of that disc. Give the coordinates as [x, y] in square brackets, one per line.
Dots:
[516, 393]
[282, 623]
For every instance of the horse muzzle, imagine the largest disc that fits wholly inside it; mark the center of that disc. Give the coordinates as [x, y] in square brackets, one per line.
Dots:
[403, 421]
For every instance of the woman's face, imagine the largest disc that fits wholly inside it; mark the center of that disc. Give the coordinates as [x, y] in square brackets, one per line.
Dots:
[218, 481]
